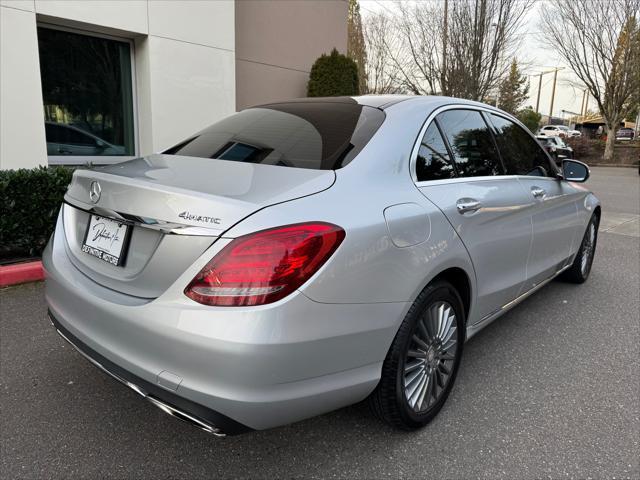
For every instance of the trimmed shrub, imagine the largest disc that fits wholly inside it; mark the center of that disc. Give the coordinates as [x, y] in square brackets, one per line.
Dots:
[530, 118]
[333, 75]
[29, 204]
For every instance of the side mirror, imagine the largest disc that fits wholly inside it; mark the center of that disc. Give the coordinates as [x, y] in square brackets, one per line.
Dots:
[574, 171]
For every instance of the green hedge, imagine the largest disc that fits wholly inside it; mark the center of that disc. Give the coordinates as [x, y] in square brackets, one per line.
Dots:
[29, 204]
[333, 75]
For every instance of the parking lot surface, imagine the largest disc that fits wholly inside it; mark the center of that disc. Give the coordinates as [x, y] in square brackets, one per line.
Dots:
[551, 389]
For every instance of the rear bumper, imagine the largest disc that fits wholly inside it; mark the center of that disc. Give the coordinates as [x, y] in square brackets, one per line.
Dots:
[235, 368]
[197, 415]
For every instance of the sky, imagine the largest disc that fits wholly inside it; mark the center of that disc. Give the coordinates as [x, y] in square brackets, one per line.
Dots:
[535, 57]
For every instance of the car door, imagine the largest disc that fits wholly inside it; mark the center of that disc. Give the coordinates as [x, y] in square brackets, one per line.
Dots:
[552, 201]
[459, 170]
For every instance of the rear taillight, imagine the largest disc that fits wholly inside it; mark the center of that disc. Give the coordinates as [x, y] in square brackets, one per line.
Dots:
[265, 266]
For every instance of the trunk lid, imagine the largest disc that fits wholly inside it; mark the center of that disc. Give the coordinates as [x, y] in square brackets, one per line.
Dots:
[177, 207]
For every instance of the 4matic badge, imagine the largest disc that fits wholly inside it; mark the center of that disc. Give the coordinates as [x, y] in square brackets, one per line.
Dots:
[199, 218]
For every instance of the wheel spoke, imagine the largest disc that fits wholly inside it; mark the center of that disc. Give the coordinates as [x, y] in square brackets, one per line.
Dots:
[434, 389]
[430, 322]
[411, 390]
[410, 367]
[447, 356]
[423, 329]
[441, 320]
[423, 391]
[411, 378]
[413, 401]
[416, 354]
[444, 369]
[449, 334]
[420, 342]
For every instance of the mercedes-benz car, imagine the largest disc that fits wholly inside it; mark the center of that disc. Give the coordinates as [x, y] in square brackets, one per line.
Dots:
[301, 256]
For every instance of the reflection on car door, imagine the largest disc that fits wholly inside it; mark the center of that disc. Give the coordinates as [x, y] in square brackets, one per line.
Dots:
[488, 210]
[552, 202]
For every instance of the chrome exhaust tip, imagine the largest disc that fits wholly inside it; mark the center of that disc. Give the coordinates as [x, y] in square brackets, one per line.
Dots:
[185, 417]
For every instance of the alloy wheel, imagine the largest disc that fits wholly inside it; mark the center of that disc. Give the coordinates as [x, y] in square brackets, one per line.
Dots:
[587, 248]
[431, 356]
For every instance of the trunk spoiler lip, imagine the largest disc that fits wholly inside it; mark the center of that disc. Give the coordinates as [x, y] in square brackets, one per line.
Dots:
[164, 226]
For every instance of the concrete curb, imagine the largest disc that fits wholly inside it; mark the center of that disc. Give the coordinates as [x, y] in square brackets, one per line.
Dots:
[21, 273]
[612, 165]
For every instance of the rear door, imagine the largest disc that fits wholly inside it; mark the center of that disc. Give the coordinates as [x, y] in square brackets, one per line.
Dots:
[552, 201]
[487, 209]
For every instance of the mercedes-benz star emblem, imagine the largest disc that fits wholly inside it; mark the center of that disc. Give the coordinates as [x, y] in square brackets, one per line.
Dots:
[94, 191]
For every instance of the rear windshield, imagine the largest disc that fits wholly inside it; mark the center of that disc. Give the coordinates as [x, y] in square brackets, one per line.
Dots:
[315, 135]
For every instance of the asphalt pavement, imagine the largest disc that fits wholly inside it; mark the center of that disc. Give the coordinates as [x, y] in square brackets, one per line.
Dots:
[552, 389]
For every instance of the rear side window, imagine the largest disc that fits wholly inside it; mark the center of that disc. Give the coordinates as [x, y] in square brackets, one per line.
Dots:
[433, 162]
[471, 143]
[314, 135]
[521, 154]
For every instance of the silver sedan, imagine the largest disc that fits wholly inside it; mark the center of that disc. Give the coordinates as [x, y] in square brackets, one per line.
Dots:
[301, 256]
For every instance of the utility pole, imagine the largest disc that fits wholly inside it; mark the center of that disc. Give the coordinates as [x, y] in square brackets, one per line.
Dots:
[553, 93]
[539, 89]
[443, 75]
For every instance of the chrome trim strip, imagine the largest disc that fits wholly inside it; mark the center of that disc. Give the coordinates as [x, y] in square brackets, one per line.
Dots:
[463, 106]
[170, 228]
[173, 411]
[518, 299]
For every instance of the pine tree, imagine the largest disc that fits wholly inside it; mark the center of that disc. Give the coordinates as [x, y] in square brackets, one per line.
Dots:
[356, 48]
[514, 90]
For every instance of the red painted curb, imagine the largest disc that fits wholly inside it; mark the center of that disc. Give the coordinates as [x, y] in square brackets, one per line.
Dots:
[21, 273]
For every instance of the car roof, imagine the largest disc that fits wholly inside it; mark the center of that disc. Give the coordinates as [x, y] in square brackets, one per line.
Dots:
[381, 102]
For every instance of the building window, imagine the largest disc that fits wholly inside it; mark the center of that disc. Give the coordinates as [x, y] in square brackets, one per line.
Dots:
[88, 96]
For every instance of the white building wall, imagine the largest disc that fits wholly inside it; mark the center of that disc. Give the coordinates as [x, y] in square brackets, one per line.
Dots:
[191, 60]
[184, 58]
[22, 142]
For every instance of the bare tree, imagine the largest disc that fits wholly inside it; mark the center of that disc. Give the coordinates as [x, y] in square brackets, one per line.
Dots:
[600, 41]
[459, 48]
[381, 38]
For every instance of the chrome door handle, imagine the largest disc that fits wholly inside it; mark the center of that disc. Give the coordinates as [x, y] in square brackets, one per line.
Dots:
[466, 205]
[538, 192]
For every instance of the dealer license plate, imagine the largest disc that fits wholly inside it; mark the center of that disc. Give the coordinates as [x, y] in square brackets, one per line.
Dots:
[106, 239]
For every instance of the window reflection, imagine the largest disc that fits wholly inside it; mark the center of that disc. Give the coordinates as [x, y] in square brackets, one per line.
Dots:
[471, 142]
[521, 154]
[433, 162]
[87, 94]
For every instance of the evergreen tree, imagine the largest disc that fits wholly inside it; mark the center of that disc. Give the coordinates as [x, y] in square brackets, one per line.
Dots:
[356, 47]
[514, 90]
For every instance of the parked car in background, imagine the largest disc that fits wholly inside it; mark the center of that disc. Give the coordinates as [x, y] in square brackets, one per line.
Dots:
[625, 134]
[301, 256]
[556, 148]
[574, 133]
[553, 131]
[63, 139]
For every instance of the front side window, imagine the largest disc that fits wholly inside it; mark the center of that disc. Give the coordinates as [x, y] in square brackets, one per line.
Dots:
[87, 94]
[521, 154]
[471, 143]
[433, 162]
[314, 135]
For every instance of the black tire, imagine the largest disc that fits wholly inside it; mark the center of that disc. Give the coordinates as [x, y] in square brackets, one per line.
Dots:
[389, 400]
[578, 273]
